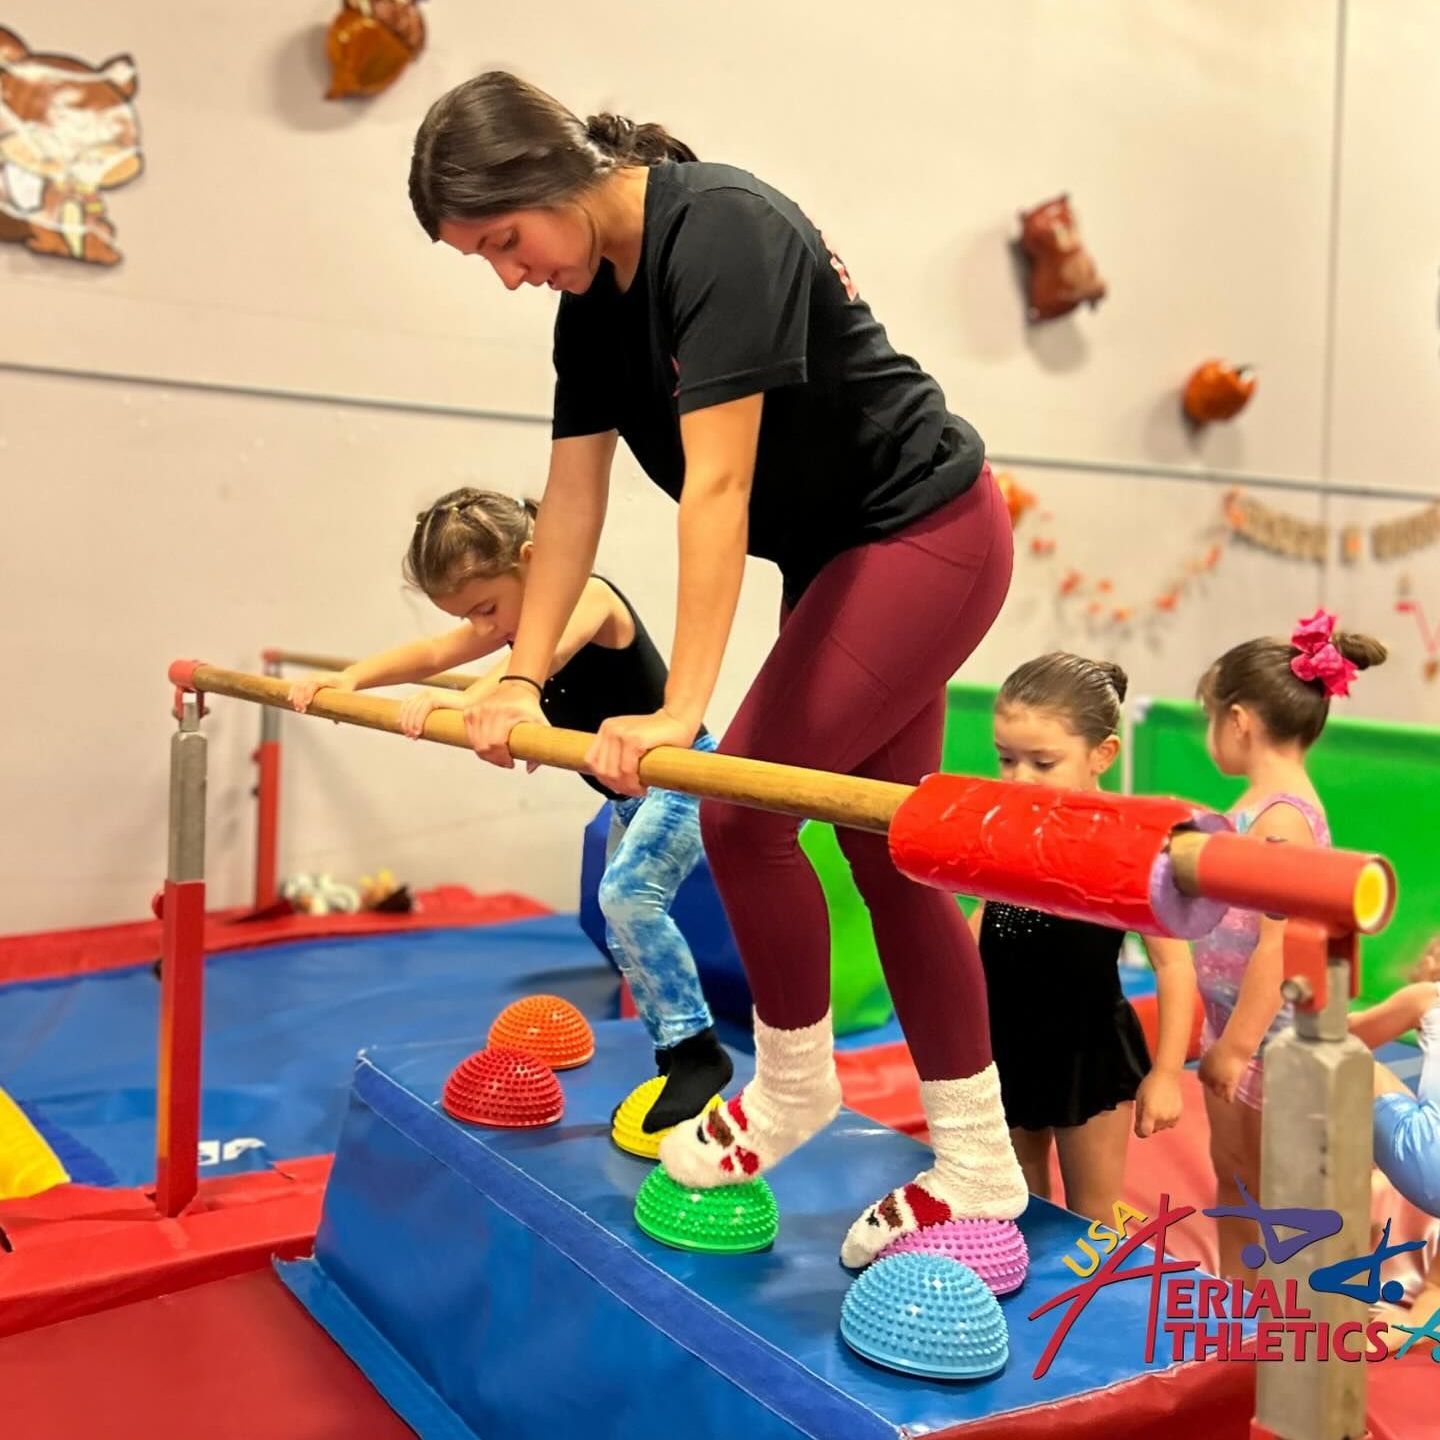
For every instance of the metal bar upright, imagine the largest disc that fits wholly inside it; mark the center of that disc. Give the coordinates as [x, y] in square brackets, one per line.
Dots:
[1316, 1153]
[267, 800]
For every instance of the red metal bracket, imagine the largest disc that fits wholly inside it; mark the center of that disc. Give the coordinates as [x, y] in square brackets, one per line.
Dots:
[1309, 951]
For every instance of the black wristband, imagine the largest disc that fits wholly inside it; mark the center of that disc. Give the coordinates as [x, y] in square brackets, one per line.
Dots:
[524, 680]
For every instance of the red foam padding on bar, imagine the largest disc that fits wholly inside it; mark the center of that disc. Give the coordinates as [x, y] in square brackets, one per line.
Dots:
[78, 1249]
[1082, 853]
[52, 954]
[230, 1360]
[1323, 880]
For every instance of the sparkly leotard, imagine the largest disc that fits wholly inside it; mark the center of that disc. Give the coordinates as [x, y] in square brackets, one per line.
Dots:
[1222, 956]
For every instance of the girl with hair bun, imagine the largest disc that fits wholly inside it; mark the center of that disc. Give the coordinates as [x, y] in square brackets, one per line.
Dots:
[1266, 702]
[1075, 1071]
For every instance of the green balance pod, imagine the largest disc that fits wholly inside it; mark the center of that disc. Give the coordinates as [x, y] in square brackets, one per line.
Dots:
[729, 1220]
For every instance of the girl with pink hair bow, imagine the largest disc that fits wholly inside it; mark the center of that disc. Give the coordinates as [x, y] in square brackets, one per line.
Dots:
[1267, 702]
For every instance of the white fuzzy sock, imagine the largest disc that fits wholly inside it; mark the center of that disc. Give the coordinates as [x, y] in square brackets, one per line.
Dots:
[794, 1094]
[975, 1175]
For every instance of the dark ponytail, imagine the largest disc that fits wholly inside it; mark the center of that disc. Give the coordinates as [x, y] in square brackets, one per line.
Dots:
[497, 143]
[633, 144]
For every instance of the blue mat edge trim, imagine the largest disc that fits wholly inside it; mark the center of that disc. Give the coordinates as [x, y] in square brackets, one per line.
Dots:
[679, 1314]
[384, 1367]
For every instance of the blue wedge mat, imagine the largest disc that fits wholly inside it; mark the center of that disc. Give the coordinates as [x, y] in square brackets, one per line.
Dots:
[451, 1246]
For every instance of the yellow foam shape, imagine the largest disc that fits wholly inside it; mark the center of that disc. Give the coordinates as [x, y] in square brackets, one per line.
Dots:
[626, 1131]
[27, 1164]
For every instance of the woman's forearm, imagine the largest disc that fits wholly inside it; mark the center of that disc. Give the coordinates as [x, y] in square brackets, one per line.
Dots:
[567, 534]
[714, 528]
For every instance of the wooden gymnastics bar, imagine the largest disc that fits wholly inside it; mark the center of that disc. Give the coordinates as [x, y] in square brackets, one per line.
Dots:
[314, 660]
[1316, 1126]
[1217, 866]
[267, 763]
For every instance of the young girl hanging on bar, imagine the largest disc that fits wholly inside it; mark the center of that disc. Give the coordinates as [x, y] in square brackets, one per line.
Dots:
[470, 554]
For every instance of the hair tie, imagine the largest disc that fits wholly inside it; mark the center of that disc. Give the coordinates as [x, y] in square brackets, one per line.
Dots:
[1319, 659]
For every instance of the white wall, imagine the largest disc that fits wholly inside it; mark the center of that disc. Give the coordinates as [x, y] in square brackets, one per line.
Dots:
[269, 246]
[212, 526]
[1385, 416]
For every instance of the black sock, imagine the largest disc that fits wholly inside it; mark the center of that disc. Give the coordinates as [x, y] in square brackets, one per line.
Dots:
[662, 1066]
[697, 1069]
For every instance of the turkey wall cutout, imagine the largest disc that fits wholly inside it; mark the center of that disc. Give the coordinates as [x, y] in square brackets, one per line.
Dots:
[369, 43]
[68, 132]
[1061, 273]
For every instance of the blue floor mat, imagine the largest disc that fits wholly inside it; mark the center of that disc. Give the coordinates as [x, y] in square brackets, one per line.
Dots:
[283, 1024]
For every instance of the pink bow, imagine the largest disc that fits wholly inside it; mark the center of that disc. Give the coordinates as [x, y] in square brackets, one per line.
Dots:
[1318, 658]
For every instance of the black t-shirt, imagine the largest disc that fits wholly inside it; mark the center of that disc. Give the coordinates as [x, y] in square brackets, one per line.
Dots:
[737, 293]
[599, 681]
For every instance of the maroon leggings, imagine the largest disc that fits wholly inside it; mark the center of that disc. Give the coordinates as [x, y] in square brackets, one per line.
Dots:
[855, 683]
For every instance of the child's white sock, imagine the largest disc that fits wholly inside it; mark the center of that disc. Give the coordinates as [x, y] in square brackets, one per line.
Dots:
[794, 1094]
[975, 1175]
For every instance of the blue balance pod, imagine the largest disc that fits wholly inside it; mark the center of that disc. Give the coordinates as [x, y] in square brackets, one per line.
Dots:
[926, 1315]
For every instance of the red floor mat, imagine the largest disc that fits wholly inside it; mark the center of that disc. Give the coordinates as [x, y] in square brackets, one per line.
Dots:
[53, 953]
[77, 1249]
[231, 1360]
[1401, 1403]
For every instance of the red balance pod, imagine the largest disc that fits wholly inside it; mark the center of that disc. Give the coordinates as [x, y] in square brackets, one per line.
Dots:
[505, 1087]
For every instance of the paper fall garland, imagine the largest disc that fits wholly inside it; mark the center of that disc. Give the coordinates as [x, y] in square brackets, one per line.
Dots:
[1270, 529]
[1097, 594]
[1429, 636]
